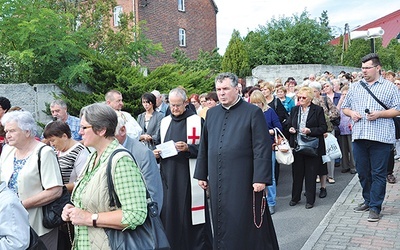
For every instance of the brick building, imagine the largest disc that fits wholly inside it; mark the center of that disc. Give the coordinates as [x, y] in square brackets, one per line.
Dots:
[187, 25]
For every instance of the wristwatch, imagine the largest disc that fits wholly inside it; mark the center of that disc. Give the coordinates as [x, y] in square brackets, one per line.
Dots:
[94, 219]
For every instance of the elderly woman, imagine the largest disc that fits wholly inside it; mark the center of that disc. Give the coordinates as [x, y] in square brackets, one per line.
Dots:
[71, 154]
[20, 171]
[307, 119]
[91, 213]
[150, 121]
[272, 120]
[287, 102]
[332, 113]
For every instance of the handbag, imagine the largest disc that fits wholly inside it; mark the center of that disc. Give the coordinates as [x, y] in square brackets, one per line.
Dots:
[52, 211]
[35, 243]
[150, 235]
[283, 150]
[332, 147]
[307, 145]
[396, 119]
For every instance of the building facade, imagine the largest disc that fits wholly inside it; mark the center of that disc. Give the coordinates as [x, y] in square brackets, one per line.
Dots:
[189, 25]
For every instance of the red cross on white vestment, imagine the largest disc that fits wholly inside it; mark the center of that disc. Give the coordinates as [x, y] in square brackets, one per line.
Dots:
[193, 137]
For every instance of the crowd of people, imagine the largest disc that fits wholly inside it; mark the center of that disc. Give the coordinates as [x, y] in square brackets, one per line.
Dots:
[207, 159]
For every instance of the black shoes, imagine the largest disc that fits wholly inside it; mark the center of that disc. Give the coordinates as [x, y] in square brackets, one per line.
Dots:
[308, 206]
[322, 192]
[292, 203]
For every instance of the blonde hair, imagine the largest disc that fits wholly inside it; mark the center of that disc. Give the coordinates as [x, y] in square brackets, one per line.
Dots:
[258, 97]
[308, 91]
[267, 85]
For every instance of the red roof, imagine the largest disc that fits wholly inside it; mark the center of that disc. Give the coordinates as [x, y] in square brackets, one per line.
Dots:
[389, 23]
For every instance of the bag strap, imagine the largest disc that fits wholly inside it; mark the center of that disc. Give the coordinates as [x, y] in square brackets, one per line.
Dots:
[39, 164]
[278, 131]
[114, 200]
[326, 102]
[373, 96]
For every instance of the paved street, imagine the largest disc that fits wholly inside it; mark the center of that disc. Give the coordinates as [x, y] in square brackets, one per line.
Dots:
[332, 224]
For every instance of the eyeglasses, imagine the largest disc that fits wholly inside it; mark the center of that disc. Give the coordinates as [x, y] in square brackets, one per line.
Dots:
[85, 127]
[302, 97]
[368, 67]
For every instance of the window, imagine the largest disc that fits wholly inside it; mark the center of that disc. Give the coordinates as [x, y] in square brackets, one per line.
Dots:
[117, 14]
[181, 5]
[182, 37]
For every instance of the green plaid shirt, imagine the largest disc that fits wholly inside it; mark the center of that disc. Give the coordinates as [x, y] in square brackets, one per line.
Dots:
[129, 187]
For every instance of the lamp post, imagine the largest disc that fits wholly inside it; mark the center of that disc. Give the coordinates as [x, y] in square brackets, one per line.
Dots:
[368, 34]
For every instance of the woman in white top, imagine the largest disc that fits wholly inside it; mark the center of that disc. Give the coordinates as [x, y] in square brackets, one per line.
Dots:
[20, 171]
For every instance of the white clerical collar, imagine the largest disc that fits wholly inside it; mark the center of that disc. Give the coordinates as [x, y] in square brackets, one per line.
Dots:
[228, 107]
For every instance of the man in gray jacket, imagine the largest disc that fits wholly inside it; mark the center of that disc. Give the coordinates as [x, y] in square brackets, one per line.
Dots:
[145, 160]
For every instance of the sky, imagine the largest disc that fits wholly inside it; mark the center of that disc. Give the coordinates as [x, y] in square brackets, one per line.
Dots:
[248, 15]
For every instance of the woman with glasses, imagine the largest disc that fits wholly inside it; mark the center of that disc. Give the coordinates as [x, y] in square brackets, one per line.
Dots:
[91, 212]
[306, 119]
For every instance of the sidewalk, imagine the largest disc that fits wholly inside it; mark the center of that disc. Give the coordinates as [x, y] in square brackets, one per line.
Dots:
[343, 229]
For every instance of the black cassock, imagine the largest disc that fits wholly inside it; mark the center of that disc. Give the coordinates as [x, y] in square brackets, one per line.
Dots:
[176, 211]
[235, 152]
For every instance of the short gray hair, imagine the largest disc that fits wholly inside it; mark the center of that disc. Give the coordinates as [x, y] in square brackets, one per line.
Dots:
[178, 92]
[234, 79]
[101, 116]
[24, 120]
[58, 102]
[121, 122]
[109, 96]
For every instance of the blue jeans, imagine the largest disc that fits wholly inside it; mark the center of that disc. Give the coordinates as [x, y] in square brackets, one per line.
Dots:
[271, 197]
[371, 159]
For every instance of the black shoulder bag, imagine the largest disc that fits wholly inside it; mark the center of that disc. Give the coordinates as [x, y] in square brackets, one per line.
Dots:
[306, 145]
[150, 235]
[52, 211]
[396, 120]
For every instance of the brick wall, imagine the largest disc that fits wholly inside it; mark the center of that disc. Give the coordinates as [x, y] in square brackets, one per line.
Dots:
[164, 20]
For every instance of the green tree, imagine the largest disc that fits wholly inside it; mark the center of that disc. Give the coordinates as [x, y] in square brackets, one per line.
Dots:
[44, 38]
[236, 58]
[205, 60]
[291, 40]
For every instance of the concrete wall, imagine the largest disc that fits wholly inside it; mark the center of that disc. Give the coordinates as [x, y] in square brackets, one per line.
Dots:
[298, 71]
[31, 98]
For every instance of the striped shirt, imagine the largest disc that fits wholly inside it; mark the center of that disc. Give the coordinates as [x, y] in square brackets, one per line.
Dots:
[72, 162]
[358, 99]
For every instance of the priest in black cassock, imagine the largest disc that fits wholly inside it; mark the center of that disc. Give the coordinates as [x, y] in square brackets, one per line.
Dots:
[234, 162]
[183, 212]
